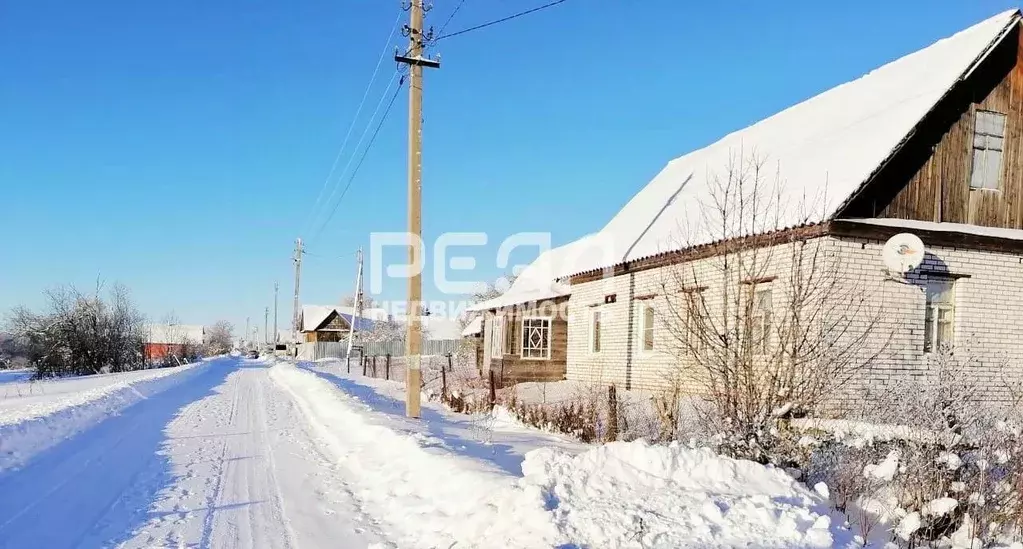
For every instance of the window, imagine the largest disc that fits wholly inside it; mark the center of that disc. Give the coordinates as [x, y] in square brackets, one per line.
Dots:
[595, 331]
[696, 325]
[495, 336]
[510, 339]
[646, 327]
[536, 338]
[939, 318]
[760, 336]
[988, 141]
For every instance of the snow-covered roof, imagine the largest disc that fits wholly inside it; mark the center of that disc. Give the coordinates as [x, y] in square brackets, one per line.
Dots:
[314, 315]
[372, 313]
[541, 279]
[440, 327]
[961, 228]
[175, 333]
[474, 327]
[823, 149]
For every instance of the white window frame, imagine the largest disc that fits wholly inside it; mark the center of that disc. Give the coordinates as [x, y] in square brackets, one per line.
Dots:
[932, 315]
[497, 337]
[646, 309]
[765, 321]
[548, 341]
[595, 314]
[988, 145]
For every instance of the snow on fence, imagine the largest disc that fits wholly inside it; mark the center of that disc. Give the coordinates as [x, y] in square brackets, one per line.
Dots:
[338, 349]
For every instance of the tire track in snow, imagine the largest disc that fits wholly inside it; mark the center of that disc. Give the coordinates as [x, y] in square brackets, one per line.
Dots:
[279, 507]
[213, 500]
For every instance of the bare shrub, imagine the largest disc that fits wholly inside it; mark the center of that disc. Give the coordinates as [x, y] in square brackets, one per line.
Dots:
[219, 338]
[765, 328]
[81, 333]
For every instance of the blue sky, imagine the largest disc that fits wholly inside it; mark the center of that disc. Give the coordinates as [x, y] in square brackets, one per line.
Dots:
[179, 147]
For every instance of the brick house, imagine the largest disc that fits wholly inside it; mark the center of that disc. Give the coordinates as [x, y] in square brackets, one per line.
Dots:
[931, 144]
[163, 340]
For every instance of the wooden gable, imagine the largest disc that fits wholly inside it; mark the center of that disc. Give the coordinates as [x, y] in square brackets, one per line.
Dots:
[333, 322]
[928, 179]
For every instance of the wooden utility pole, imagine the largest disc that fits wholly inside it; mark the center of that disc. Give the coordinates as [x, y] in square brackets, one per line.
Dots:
[413, 337]
[276, 337]
[295, 313]
[357, 305]
[266, 325]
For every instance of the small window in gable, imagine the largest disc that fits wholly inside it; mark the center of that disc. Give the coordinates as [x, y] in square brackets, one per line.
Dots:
[988, 144]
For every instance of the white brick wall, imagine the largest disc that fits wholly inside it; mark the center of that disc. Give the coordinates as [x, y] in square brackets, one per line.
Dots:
[988, 316]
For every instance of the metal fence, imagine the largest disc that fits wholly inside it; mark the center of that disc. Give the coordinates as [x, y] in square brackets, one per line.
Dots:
[331, 349]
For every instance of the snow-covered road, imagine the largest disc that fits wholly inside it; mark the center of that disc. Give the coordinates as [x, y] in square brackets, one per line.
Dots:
[236, 453]
[224, 460]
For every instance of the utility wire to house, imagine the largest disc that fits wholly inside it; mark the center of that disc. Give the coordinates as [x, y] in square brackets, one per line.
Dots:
[450, 17]
[355, 172]
[344, 144]
[442, 36]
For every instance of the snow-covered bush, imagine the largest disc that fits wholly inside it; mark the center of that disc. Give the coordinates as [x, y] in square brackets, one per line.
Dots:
[936, 458]
[82, 333]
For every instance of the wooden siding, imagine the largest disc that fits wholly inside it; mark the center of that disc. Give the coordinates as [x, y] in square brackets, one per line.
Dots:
[511, 368]
[929, 178]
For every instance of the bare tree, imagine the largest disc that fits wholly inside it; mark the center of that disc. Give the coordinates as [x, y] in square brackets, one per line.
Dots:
[367, 301]
[82, 333]
[765, 325]
[220, 338]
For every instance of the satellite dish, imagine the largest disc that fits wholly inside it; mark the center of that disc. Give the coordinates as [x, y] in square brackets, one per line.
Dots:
[903, 252]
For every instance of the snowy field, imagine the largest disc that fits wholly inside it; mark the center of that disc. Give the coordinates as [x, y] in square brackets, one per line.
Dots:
[249, 453]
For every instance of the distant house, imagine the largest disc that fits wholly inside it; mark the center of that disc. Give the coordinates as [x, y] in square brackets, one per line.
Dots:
[163, 340]
[329, 323]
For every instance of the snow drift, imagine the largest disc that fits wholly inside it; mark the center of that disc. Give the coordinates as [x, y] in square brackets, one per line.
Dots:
[617, 495]
[57, 410]
[631, 494]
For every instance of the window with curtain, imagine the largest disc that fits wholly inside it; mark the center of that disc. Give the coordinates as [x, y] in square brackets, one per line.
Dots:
[646, 327]
[939, 316]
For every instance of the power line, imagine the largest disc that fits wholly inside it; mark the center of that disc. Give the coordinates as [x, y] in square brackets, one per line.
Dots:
[450, 17]
[502, 20]
[365, 151]
[355, 118]
[362, 138]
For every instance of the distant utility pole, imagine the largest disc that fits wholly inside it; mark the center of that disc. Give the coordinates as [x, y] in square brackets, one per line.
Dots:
[413, 337]
[357, 305]
[266, 325]
[295, 313]
[247, 332]
[276, 333]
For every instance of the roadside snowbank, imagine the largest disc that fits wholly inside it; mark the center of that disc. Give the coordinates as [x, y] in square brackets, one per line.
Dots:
[51, 411]
[617, 495]
[431, 497]
[631, 494]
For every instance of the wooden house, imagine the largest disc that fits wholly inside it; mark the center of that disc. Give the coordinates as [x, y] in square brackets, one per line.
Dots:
[328, 323]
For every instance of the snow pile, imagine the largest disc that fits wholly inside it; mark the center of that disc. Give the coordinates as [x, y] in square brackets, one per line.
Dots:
[47, 412]
[631, 494]
[429, 496]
